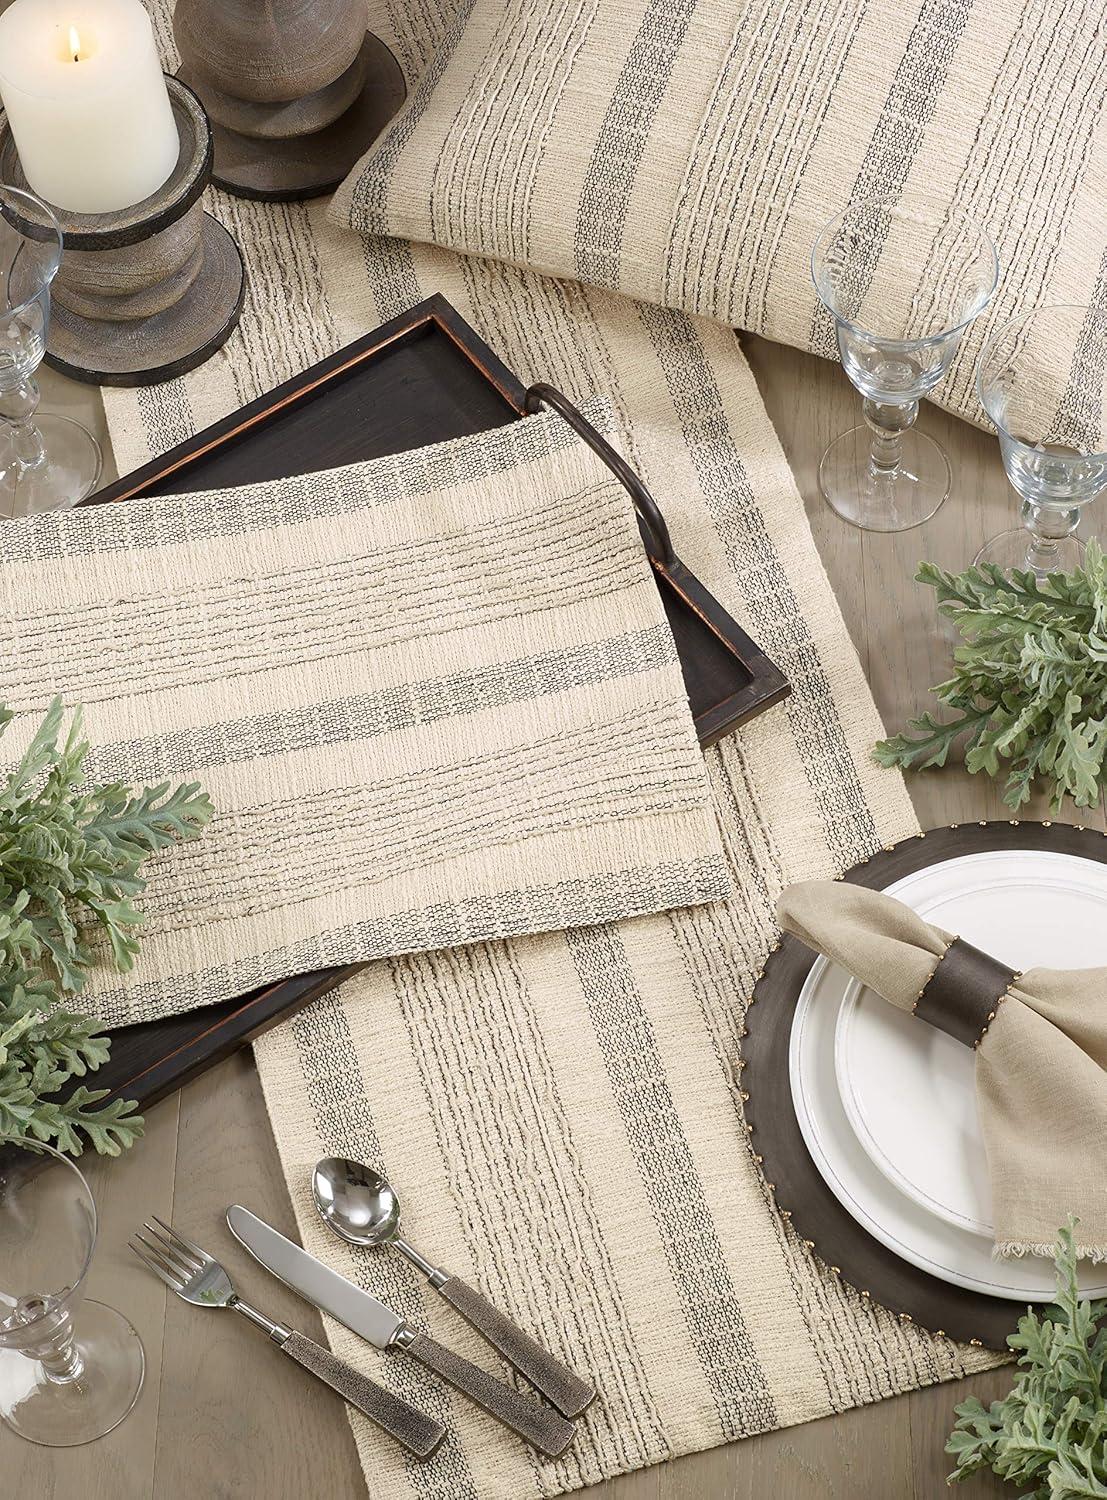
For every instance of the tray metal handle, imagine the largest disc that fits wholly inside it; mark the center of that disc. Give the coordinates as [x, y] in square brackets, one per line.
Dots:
[653, 522]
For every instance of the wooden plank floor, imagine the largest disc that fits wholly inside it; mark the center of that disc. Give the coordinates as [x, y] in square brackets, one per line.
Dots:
[223, 1414]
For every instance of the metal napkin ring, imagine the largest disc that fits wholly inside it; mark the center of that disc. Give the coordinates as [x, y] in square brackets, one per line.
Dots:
[964, 991]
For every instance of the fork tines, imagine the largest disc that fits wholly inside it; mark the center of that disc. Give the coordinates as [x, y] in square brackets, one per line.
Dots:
[168, 1254]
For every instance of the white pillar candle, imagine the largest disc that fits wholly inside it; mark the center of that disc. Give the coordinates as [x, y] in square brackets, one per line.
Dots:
[86, 102]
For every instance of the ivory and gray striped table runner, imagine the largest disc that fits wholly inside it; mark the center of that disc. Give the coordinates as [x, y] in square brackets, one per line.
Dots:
[433, 698]
[589, 1081]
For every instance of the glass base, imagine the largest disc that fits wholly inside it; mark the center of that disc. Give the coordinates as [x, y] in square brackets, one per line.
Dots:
[65, 1414]
[1009, 550]
[71, 471]
[876, 501]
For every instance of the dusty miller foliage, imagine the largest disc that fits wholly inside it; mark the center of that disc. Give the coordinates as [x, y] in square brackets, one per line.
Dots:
[70, 855]
[1050, 1431]
[1029, 686]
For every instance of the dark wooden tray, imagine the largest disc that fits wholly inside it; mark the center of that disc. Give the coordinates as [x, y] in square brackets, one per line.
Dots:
[422, 378]
[776, 1138]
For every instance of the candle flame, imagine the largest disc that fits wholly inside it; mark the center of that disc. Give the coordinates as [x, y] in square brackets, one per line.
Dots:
[75, 43]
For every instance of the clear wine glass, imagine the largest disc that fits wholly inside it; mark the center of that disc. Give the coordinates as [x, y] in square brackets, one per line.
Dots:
[902, 282]
[1041, 381]
[70, 1368]
[47, 461]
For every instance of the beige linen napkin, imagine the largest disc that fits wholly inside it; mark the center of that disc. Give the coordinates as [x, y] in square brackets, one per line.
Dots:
[1041, 1061]
[433, 697]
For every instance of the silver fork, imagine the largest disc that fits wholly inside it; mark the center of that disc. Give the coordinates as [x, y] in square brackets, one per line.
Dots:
[197, 1277]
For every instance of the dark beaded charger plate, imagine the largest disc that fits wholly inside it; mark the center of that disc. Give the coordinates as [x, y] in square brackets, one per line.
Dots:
[791, 1175]
[422, 378]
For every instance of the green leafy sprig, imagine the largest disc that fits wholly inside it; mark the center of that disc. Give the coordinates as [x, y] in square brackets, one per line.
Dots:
[1029, 687]
[70, 855]
[1050, 1431]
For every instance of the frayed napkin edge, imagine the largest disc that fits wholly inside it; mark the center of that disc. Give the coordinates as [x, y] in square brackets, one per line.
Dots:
[1017, 1249]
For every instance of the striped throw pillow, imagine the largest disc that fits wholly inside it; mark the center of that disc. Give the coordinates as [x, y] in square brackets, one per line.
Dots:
[688, 151]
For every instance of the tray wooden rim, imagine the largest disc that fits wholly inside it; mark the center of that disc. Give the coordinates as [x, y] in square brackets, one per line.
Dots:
[767, 685]
[432, 310]
[773, 1134]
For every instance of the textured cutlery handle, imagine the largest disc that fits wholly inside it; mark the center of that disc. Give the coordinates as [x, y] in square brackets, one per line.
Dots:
[418, 1433]
[544, 1428]
[568, 1392]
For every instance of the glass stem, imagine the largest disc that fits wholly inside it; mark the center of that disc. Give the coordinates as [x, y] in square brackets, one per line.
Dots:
[1048, 526]
[886, 426]
[18, 405]
[53, 1345]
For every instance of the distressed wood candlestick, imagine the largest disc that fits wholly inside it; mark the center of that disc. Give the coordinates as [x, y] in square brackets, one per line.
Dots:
[296, 90]
[147, 292]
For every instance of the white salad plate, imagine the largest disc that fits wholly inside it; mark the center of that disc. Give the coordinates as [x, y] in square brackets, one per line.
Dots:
[886, 1103]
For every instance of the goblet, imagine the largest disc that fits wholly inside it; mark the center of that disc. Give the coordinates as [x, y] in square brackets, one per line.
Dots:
[902, 283]
[70, 1368]
[1040, 380]
[46, 462]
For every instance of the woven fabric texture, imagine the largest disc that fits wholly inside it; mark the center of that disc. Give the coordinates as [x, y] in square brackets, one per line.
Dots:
[689, 153]
[588, 1081]
[562, 1115]
[433, 698]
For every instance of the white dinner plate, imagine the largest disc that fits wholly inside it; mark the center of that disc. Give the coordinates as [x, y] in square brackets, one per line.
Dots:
[907, 1088]
[1025, 907]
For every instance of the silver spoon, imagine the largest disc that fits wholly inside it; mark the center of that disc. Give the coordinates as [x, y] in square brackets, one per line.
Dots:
[362, 1208]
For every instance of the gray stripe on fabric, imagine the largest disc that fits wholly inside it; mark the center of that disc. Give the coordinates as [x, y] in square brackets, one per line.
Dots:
[629, 768]
[1080, 415]
[912, 99]
[369, 200]
[1062, 88]
[778, 621]
[166, 415]
[343, 1120]
[550, 1258]
[753, 144]
[389, 267]
[679, 1206]
[495, 141]
[296, 499]
[621, 142]
[310, 726]
[608, 897]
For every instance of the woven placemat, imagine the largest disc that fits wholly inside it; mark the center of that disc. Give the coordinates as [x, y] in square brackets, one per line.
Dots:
[433, 698]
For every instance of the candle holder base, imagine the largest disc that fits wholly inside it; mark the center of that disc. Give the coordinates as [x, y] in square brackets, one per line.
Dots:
[301, 148]
[150, 291]
[169, 342]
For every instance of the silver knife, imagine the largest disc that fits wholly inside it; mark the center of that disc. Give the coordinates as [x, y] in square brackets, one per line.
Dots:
[541, 1426]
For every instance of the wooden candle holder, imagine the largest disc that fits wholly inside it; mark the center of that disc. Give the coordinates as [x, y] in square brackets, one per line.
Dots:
[147, 292]
[296, 90]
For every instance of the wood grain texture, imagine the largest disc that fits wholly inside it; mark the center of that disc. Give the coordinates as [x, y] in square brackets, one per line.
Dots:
[223, 1414]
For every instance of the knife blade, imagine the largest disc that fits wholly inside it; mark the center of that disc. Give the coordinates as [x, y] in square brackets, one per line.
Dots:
[362, 1313]
[541, 1426]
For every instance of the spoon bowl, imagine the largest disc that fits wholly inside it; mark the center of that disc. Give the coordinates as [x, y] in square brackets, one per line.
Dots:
[356, 1202]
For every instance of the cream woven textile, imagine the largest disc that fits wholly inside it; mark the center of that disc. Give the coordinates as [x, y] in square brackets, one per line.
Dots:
[433, 698]
[589, 1080]
[688, 153]
[561, 1114]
